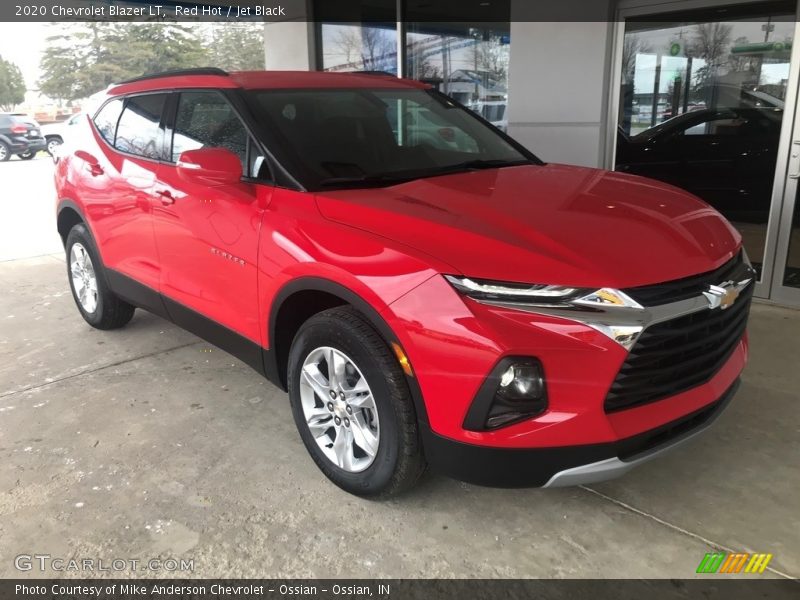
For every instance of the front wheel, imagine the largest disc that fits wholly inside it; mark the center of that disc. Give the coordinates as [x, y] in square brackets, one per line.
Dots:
[27, 155]
[96, 302]
[352, 405]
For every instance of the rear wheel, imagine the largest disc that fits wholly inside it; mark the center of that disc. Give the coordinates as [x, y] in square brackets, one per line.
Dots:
[96, 302]
[4, 152]
[352, 405]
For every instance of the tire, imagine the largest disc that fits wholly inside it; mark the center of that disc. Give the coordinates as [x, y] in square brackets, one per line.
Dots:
[98, 305]
[5, 154]
[27, 155]
[398, 461]
[52, 144]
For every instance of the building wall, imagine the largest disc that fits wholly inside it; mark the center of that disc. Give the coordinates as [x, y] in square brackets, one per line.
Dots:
[289, 45]
[558, 88]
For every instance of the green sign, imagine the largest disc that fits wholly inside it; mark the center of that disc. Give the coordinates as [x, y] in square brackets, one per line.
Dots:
[674, 49]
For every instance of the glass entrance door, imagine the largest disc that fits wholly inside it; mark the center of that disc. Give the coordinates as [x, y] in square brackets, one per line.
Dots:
[785, 235]
[707, 104]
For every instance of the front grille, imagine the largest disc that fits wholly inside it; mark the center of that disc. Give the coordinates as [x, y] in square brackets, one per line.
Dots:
[688, 287]
[677, 355]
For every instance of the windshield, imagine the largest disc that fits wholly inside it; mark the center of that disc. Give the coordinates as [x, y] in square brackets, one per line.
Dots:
[351, 137]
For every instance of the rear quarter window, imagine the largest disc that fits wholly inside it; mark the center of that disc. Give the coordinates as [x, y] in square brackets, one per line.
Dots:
[138, 128]
[106, 120]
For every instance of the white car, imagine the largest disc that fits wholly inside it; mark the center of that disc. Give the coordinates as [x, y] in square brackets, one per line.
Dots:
[57, 133]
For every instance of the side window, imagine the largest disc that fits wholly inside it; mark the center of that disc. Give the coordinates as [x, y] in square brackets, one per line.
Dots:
[207, 120]
[106, 120]
[138, 131]
[720, 125]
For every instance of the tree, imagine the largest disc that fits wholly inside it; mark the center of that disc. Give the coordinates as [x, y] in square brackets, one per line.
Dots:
[84, 58]
[492, 57]
[632, 46]
[12, 85]
[237, 46]
[710, 43]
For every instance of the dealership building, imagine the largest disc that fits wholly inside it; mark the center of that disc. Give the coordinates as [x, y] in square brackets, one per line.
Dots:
[699, 93]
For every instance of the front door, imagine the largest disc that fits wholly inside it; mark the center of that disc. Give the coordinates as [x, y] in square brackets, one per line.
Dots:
[207, 236]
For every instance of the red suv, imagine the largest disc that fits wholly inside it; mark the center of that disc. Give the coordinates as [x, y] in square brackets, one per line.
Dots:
[426, 289]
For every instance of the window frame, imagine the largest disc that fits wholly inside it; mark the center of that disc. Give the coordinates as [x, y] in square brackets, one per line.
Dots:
[171, 111]
[125, 98]
[160, 126]
[166, 127]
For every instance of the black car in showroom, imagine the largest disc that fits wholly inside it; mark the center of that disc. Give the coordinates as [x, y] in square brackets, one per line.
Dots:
[726, 156]
[21, 136]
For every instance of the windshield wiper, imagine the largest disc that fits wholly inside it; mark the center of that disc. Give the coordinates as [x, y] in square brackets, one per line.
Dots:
[395, 178]
[479, 163]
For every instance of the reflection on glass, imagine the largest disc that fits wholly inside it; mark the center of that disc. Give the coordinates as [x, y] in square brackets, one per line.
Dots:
[468, 63]
[701, 107]
[359, 47]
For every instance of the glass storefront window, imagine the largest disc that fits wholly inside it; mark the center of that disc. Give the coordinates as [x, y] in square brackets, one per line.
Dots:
[467, 62]
[701, 107]
[359, 47]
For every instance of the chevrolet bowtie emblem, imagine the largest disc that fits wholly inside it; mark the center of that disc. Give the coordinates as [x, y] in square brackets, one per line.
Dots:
[724, 295]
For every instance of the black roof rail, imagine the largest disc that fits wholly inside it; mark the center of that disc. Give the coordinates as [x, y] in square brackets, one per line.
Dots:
[177, 73]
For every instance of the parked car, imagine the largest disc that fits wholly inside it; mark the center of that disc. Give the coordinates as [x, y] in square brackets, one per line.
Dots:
[505, 321]
[19, 135]
[57, 133]
[726, 156]
[493, 111]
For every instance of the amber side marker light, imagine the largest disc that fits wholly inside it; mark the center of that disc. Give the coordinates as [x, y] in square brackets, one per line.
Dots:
[402, 359]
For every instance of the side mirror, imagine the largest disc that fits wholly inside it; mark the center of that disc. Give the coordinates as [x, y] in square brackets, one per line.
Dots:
[210, 166]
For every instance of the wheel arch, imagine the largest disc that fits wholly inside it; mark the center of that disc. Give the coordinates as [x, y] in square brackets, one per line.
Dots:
[69, 214]
[325, 294]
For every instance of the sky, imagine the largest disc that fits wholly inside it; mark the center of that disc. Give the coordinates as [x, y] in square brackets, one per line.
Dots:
[22, 44]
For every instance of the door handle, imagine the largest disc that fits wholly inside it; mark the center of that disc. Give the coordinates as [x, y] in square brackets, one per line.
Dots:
[166, 197]
[795, 154]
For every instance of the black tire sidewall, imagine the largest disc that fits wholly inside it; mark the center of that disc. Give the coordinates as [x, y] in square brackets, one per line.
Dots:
[7, 154]
[80, 234]
[329, 332]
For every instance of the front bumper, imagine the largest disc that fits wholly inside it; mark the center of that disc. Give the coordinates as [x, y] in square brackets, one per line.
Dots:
[565, 465]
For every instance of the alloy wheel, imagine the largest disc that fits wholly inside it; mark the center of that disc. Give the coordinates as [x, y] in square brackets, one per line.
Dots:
[3, 152]
[84, 278]
[52, 146]
[339, 409]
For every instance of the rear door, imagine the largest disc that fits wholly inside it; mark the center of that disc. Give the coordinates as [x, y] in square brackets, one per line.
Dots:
[208, 236]
[117, 174]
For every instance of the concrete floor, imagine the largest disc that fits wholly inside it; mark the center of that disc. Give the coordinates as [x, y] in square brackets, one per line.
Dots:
[147, 442]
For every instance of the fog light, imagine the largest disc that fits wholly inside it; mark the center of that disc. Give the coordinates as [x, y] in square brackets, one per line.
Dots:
[521, 382]
[515, 390]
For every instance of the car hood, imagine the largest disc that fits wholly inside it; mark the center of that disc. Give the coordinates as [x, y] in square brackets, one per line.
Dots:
[550, 224]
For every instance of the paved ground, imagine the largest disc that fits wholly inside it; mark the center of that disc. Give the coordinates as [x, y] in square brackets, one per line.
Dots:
[146, 442]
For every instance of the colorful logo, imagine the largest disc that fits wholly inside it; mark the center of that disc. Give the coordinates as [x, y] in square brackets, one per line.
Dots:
[733, 562]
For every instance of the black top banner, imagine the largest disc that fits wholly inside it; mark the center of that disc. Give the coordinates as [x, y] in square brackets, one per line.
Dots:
[358, 11]
[714, 588]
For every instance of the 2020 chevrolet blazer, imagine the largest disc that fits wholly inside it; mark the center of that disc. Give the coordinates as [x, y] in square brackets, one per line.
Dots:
[426, 290]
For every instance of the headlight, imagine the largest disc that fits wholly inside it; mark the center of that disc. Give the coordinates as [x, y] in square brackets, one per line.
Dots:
[483, 289]
[610, 311]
